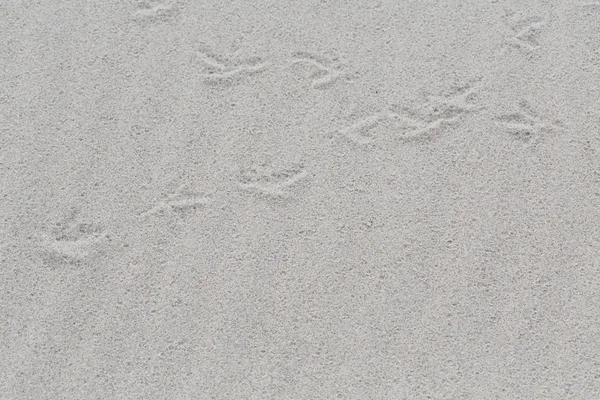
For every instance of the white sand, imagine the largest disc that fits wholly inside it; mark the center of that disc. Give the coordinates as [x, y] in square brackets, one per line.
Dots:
[299, 200]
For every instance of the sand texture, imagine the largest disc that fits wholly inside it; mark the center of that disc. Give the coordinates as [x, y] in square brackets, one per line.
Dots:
[312, 199]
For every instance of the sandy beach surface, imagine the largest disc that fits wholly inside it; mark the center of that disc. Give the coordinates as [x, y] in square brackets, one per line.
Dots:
[318, 199]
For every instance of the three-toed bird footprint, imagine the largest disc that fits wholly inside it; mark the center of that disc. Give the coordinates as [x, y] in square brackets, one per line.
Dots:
[73, 238]
[181, 201]
[437, 111]
[323, 70]
[526, 124]
[227, 69]
[525, 32]
[422, 122]
[266, 180]
[157, 10]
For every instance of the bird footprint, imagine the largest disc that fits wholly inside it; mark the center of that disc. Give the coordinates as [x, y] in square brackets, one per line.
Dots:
[323, 70]
[525, 32]
[526, 124]
[72, 238]
[269, 181]
[180, 201]
[221, 69]
[420, 123]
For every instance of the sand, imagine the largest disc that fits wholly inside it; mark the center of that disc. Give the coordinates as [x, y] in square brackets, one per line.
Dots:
[320, 199]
